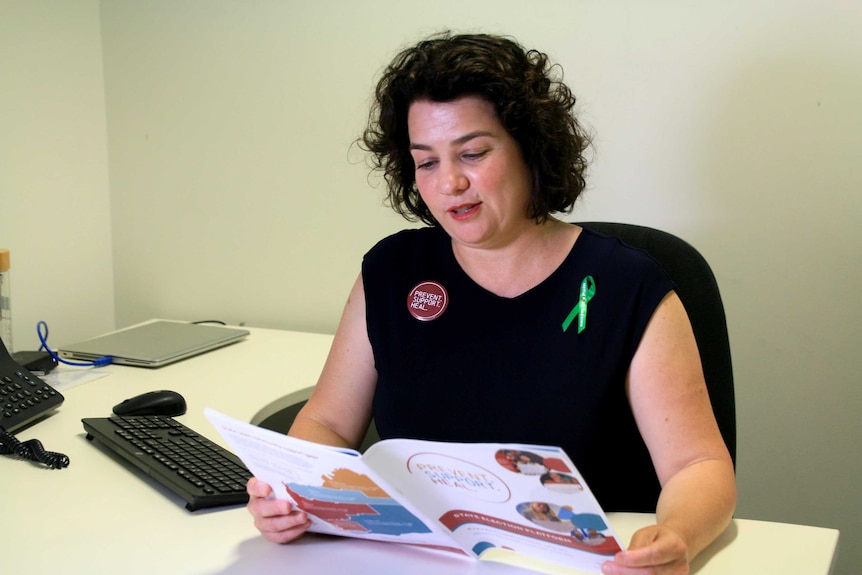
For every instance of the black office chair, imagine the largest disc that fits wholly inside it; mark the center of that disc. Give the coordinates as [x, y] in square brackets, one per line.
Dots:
[698, 290]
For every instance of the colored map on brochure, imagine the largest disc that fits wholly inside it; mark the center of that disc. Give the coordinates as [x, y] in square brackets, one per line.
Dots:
[350, 501]
[485, 500]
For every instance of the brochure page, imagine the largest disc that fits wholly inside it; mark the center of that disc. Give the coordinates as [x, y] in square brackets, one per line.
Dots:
[530, 500]
[341, 495]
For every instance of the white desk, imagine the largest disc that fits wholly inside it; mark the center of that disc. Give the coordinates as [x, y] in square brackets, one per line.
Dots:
[100, 516]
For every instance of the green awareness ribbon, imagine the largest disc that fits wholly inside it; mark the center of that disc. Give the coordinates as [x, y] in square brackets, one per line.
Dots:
[588, 290]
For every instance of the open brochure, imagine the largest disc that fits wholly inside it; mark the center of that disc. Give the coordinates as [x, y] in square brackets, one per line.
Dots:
[504, 502]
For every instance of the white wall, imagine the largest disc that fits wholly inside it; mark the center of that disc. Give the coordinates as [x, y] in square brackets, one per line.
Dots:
[235, 193]
[54, 205]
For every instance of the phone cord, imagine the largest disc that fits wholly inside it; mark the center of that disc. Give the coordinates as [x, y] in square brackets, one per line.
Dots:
[31, 449]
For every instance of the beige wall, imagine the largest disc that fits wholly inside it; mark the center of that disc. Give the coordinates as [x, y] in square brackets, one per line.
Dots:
[54, 204]
[235, 193]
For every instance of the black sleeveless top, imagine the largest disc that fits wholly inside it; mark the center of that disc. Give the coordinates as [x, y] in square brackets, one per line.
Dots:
[495, 369]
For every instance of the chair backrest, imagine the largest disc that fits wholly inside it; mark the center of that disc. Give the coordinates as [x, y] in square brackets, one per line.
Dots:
[698, 290]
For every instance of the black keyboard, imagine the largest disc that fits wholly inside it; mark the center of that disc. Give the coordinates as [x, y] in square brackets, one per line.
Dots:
[201, 472]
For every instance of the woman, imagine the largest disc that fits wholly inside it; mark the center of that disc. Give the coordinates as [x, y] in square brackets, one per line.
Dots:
[541, 513]
[471, 329]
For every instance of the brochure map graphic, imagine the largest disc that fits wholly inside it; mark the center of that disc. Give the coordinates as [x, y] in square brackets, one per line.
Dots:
[352, 502]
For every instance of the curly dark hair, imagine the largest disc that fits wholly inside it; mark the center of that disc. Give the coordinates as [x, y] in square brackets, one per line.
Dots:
[532, 103]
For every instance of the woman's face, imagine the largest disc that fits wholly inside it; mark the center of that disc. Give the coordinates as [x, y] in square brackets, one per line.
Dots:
[470, 172]
[539, 507]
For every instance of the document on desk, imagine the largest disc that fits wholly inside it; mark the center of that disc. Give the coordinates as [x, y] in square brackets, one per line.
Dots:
[513, 503]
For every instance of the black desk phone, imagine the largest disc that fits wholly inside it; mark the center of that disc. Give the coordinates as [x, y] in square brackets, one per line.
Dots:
[24, 399]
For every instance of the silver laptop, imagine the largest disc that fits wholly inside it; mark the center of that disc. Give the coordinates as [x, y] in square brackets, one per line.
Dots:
[153, 344]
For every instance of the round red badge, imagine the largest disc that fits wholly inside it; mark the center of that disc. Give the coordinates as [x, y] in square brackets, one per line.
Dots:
[427, 301]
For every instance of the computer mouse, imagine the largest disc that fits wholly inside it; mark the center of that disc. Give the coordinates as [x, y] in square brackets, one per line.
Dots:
[162, 402]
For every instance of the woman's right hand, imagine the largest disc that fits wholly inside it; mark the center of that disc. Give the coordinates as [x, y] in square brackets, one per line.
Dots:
[276, 519]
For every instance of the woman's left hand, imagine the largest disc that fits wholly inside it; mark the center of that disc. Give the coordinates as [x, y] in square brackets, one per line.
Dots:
[653, 550]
